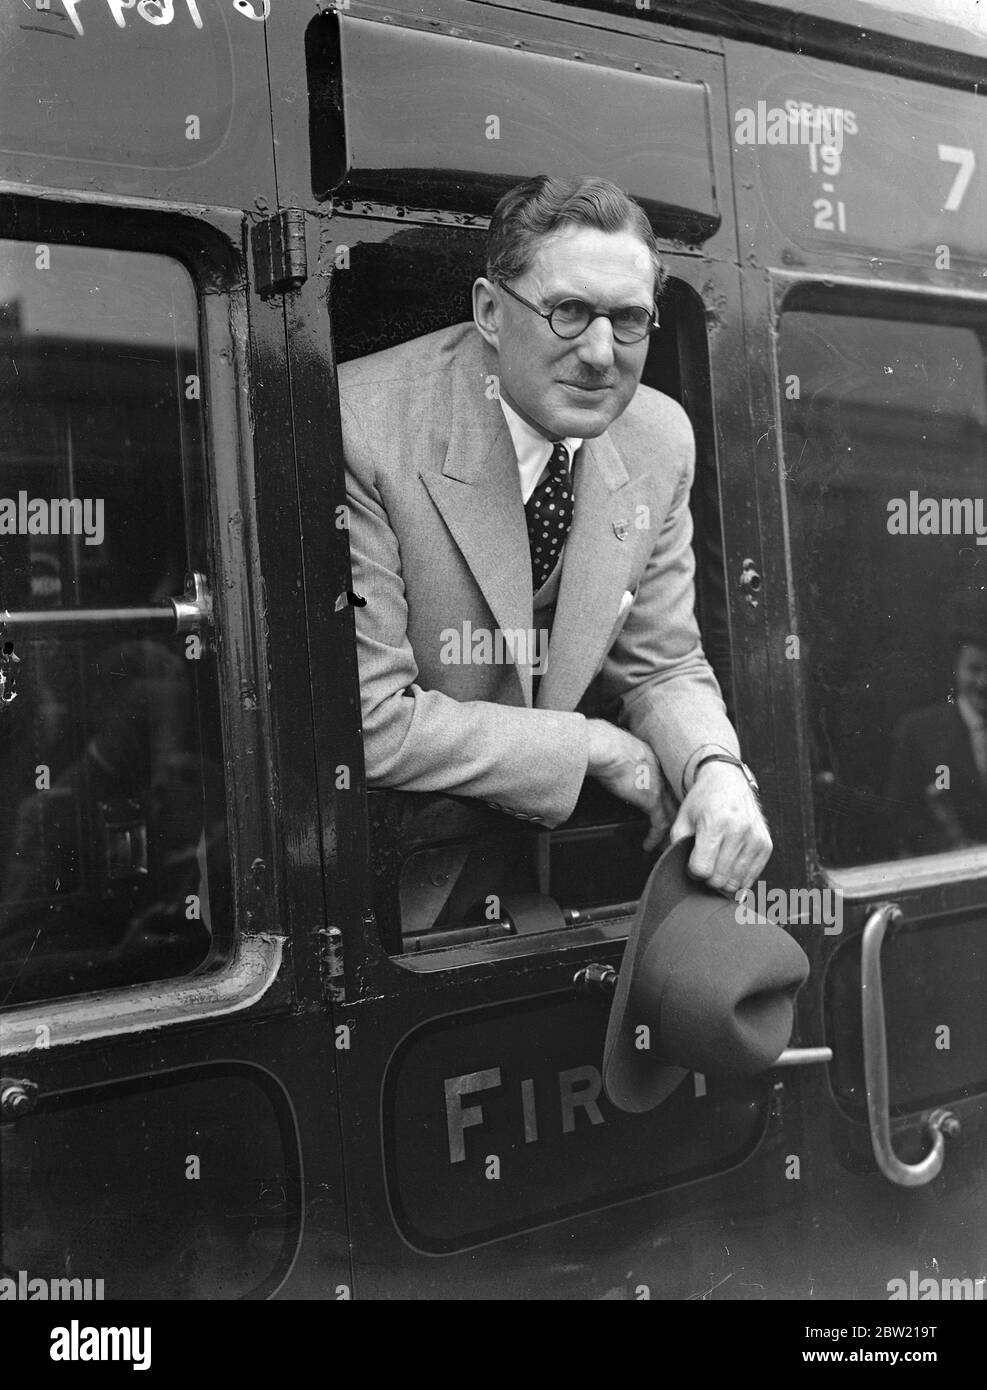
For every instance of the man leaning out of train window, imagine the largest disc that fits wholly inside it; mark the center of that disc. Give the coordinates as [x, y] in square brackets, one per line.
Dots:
[520, 530]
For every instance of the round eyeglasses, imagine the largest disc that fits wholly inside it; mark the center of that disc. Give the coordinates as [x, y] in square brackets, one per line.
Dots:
[570, 317]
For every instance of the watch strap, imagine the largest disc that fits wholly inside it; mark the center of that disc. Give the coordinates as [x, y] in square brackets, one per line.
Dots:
[732, 761]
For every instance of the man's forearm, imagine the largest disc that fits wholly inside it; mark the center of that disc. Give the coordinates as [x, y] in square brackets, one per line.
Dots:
[530, 763]
[678, 719]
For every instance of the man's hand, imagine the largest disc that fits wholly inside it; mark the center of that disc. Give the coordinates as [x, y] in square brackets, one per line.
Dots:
[733, 843]
[627, 767]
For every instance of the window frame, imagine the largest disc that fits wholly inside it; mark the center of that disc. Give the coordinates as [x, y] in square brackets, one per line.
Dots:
[701, 388]
[793, 292]
[210, 248]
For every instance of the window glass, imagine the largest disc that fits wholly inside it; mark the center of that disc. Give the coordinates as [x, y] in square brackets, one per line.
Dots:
[884, 433]
[113, 859]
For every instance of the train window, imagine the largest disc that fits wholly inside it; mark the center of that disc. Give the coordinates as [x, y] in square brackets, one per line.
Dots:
[448, 870]
[113, 847]
[885, 424]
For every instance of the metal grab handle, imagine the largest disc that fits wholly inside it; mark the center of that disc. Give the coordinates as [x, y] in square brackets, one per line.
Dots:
[938, 1122]
[192, 611]
[803, 1056]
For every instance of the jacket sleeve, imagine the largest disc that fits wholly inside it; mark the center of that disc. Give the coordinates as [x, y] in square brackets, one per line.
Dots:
[528, 762]
[668, 694]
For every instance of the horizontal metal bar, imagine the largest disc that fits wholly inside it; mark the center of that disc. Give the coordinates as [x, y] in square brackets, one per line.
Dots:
[89, 622]
[192, 611]
[461, 936]
[608, 912]
[488, 931]
[804, 1056]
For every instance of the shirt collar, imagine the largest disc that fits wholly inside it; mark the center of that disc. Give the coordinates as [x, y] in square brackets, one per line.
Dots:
[533, 450]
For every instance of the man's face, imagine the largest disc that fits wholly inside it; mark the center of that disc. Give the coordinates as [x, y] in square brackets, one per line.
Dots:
[971, 675]
[577, 386]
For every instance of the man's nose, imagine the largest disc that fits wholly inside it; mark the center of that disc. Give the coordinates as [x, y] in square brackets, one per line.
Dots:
[595, 347]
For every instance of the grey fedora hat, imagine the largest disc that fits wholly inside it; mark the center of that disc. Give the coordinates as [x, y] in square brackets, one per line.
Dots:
[699, 989]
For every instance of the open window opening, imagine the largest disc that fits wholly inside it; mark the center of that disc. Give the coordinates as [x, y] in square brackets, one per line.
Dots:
[449, 871]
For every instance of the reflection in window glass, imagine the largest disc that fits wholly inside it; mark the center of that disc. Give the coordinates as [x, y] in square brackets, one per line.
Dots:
[885, 469]
[113, 860]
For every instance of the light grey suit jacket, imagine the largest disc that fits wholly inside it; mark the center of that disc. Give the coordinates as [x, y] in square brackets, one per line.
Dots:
[438, 539]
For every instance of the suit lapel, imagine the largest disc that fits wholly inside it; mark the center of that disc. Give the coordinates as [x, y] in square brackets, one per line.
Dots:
[478, 494]
[595, 571]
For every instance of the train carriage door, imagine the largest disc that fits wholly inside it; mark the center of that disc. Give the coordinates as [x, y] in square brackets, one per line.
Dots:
[167, 1085]
[866, 320]
[482, 1157]
[884, 449]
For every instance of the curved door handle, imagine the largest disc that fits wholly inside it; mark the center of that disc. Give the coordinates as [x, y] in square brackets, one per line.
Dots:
[939, 1122]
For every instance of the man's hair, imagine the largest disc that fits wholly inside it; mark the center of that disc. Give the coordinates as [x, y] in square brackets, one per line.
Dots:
[541, 205]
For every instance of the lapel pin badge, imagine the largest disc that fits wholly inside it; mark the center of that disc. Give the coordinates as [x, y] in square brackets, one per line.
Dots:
[620, 530]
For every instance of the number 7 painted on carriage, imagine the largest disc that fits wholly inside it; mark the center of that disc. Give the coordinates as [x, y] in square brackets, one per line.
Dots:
[956, 154]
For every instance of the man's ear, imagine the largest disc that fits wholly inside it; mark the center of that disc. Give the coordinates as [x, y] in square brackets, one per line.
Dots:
[486, 311]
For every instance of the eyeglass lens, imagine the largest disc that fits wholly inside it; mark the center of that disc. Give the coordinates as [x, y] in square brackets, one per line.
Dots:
[571, 317]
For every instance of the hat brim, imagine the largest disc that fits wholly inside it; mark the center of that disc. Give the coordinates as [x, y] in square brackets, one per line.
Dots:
[631, 1078]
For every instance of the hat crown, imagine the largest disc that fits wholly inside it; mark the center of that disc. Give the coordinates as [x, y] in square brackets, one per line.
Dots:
[715, 994]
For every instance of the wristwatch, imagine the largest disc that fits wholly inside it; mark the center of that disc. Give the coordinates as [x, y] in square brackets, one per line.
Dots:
[734, 762]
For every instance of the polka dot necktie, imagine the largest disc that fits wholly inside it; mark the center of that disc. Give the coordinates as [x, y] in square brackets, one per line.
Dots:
[549, 515]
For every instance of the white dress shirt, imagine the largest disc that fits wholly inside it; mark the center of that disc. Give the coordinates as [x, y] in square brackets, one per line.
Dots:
[533, 450]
